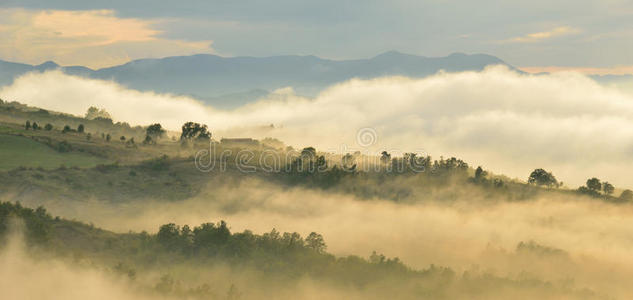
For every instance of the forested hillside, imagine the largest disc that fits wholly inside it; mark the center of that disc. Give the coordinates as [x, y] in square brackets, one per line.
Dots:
[155, 194]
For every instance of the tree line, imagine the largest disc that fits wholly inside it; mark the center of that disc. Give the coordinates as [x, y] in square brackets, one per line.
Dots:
[593, 186]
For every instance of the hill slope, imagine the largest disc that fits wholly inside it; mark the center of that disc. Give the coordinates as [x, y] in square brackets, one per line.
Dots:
[20, 151]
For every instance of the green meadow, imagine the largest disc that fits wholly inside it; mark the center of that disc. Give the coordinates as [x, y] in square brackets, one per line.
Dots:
[18, 151]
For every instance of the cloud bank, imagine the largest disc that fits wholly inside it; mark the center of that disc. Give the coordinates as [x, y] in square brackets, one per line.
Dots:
[508, 122]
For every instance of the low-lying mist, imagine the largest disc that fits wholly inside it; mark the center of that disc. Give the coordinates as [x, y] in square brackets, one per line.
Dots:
[506, 121]
[30, 274]
[22, 276]
[580, 240]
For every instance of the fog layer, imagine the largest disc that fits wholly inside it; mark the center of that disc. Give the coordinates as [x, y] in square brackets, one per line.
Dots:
[466, 234]
[506, 121]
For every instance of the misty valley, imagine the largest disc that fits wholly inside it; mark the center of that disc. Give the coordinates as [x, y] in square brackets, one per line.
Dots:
[94, 208]
[298, 150]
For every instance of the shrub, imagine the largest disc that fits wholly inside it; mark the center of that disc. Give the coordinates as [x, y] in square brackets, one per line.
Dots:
[63, 147]
[157, 164]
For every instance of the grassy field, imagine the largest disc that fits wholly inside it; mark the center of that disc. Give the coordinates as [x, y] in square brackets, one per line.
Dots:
[17, 151]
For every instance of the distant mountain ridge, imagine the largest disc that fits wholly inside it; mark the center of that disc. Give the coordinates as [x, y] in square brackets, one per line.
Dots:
[230, 81]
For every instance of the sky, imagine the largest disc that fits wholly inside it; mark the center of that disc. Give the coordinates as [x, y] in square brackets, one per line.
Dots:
[590, 36]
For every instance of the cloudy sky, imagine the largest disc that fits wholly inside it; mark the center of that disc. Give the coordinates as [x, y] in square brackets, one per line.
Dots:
[594, 36]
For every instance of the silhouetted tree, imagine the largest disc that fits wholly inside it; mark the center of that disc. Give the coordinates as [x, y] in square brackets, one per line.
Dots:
[48, 127]
[209, 235]
[27, 126]
[594, 184]
[148, 140]
[108, 137]
[153, 133]
[66, 129]
[480, 174]
[418, 164]
[321, 163]
[541, 177]
[169, 236]
[95, 113]
[316, 242]
[35, 126]
[122, 138]
[80, 128]
[308, 153]
[191, 131]
[347, 161]
[607, 188]
[155, 130]
[385, 157]
[411, 159]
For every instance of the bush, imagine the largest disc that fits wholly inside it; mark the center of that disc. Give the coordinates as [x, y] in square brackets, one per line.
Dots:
[63, 147]
[587, 191]
[157, 164]
[541, 177]
[130, 143]
[626, 196]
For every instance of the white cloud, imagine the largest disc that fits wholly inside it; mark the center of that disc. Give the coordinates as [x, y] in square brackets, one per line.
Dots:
[505, 121]
[544, 35]
[93, 38]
